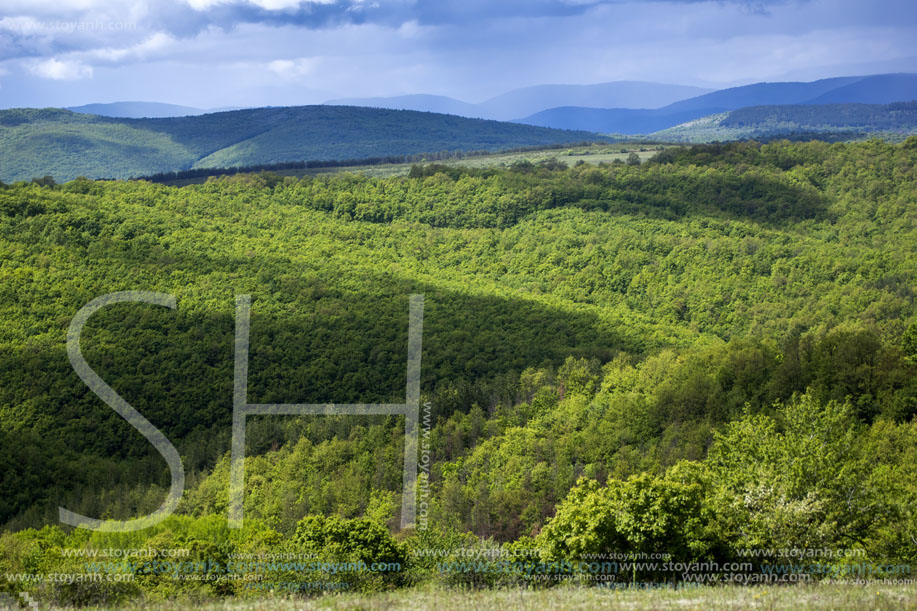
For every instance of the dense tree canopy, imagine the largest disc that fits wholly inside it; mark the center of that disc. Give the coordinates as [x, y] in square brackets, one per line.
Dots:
[710, 351]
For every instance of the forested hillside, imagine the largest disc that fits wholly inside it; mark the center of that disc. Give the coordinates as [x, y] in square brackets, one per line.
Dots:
[67, 145]
[874, 117]
[722, 341]
[801, 121]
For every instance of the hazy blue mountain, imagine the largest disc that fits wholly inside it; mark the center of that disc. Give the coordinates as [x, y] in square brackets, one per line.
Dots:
[418, 102]
[619, 94]
[875, 89]
[137, 110]
[878, 89]
[528, 100]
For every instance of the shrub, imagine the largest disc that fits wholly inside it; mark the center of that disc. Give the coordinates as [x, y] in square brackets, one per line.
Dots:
[638, 517]
[352, 553]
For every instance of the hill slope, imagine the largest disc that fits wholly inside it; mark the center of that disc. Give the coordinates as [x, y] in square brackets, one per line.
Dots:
[612, 120]
[876, 89]
[759, 94]
[707, 284]
[764, 122]
[65, 145]
[879, 89]
[419, 102]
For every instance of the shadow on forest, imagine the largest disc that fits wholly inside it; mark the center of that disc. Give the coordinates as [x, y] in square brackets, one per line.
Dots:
[313, 340]
[745, 197]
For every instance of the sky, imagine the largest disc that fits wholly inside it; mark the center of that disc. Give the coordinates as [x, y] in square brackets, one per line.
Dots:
[229, 53]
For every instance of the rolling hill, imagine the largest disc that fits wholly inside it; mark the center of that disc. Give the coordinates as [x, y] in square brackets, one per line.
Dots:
[613, 120]
[65, 144]
[880, 89]
[848, 121]
[759, 94]
[876, 89]
[419, 102]
[721, 313]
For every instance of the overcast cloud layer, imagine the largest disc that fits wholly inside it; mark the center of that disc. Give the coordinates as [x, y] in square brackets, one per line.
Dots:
[215, 53]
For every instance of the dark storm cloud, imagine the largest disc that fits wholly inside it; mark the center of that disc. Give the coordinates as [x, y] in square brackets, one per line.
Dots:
[181, 19]
[41, 29]
[209, 53]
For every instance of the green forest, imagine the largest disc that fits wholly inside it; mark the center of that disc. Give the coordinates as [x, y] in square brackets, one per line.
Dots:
[67, 145]
[708, 356]
[894, 121]
[878, 117]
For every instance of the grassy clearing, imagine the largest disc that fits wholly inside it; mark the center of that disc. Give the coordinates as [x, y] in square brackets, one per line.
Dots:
[875, 596]
[595, 154]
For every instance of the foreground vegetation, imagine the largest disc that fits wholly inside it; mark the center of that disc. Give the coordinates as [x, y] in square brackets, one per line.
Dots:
[709, 356]
[835, 597]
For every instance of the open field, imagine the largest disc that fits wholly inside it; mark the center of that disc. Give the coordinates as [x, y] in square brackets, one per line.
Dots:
[595, 154]
[878, 597]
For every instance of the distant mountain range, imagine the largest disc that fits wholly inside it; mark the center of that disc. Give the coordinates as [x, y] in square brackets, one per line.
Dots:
[104, 140]
[528, 100]
[876, 89]
[64, 144]
[621, 107]
[511, 105]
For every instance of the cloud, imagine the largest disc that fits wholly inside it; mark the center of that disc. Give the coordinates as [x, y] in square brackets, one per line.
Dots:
[238, 52]
[52, 28]
[270, 5]
[294, 68]
[186, 18]
[394, 13]
[150, 47]
[59, 70]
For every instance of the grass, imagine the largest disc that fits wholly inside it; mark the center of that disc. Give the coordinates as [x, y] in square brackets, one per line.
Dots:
[596, 153]
[807, 596]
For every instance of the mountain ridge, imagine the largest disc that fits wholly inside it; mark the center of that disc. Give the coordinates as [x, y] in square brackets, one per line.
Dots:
[65, 145]
[878, 89]
[526, 100]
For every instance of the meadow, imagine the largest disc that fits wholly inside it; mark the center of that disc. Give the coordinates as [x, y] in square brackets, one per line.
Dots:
[833, 597]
